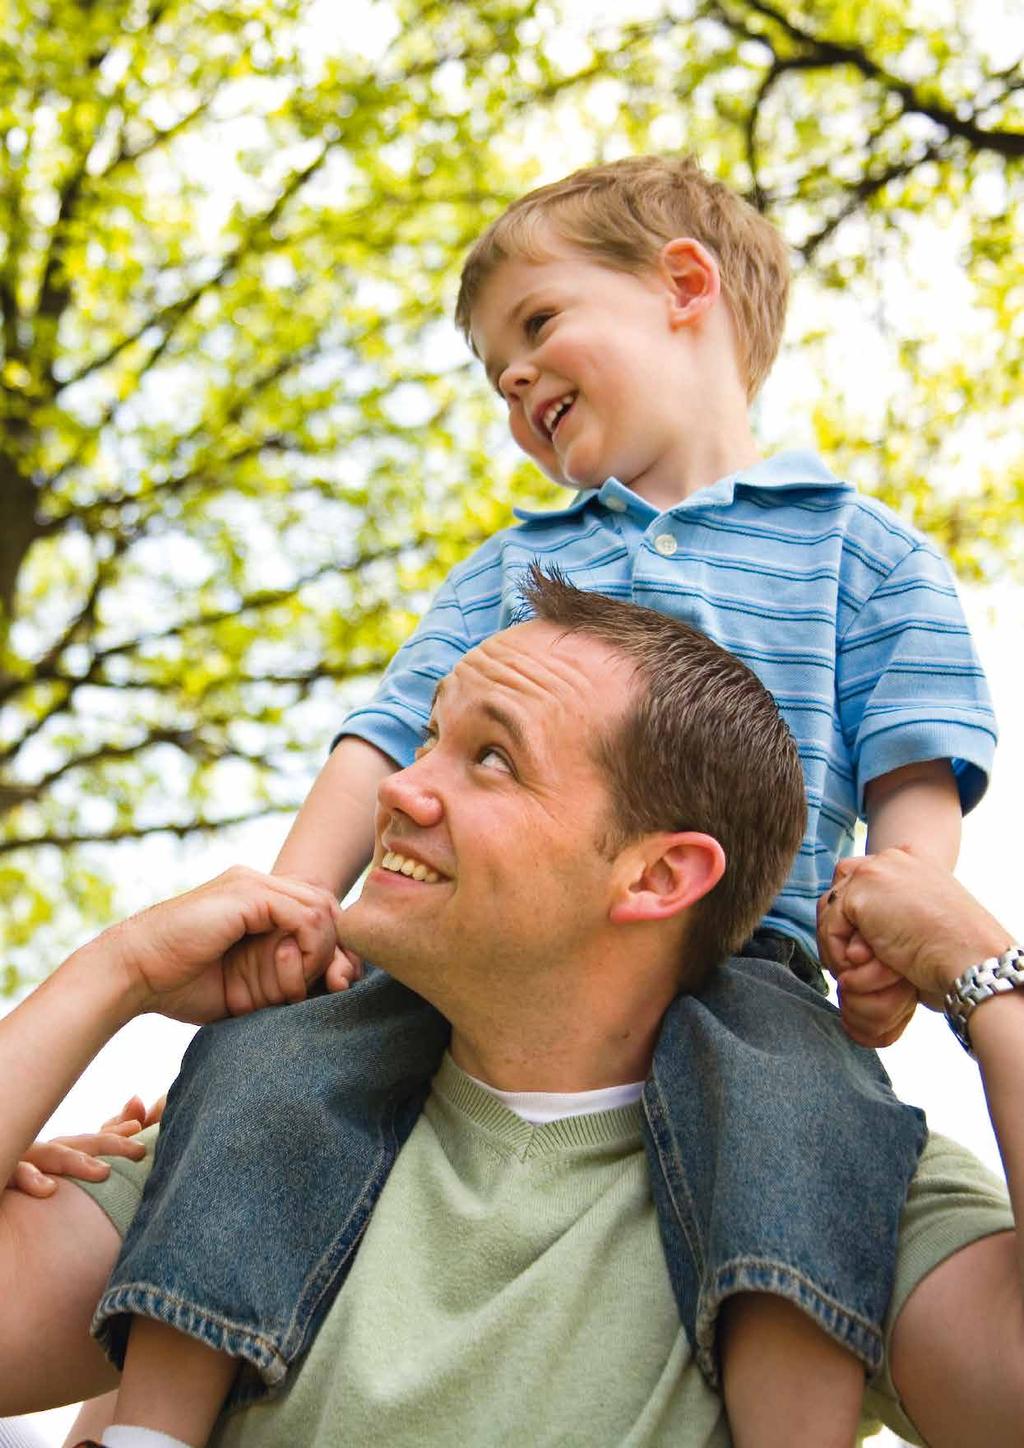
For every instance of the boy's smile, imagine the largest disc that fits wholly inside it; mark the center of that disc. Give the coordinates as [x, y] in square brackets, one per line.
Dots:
[598, 367]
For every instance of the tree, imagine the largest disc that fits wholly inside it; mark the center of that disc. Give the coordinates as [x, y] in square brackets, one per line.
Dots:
[240, 442]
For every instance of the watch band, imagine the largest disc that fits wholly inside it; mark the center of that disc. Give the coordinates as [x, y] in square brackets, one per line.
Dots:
[995, 976]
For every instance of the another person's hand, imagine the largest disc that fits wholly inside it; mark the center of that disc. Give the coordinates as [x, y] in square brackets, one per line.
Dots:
[80, 1156]
[172, 957]
[912, 917]
[266, 970]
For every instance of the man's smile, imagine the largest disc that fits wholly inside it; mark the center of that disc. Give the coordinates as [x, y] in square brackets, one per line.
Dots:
[398, 864]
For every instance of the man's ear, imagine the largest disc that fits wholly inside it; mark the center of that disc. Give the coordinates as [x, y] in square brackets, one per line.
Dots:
[693, 279]
[664, 874]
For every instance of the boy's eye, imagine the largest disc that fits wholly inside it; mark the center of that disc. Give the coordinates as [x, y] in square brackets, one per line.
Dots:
[535, 322]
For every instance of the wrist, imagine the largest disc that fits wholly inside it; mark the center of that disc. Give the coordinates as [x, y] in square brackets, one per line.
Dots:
[998, 975]
[105, 970]
[986, 944]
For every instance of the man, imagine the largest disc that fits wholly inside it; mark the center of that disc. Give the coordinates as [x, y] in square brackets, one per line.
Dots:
[554, 940]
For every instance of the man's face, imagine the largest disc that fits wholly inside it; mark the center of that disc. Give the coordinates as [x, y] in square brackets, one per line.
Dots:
[499, 820]
[593, 373]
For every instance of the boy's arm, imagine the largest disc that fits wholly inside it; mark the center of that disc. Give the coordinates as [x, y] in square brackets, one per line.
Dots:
[329, 845]
[958, 1344]
[917, 808]
[331, 840]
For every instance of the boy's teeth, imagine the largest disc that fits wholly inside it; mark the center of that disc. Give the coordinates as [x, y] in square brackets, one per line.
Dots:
[554, 412]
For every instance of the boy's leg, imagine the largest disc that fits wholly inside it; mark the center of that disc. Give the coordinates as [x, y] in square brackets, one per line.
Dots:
[288, 1115]
[93, 1417]
[780, 1158]
[786, 1383]
[172, 1383]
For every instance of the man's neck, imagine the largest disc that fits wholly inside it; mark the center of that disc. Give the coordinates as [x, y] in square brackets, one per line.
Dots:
[581, 1049]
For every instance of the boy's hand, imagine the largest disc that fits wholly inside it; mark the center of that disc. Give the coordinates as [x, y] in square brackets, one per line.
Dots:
[876, 1004]
[266, 970]
[79, 1156]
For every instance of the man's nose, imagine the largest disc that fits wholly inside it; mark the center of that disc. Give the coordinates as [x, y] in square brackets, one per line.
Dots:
[413, 793]
[516, 378]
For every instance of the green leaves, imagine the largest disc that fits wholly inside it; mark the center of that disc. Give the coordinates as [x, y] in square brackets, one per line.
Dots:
[241, 443]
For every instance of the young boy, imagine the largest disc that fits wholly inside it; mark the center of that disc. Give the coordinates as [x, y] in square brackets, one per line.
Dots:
[626, 316]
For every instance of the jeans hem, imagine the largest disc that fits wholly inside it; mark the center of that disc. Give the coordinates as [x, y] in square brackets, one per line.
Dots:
[110, 1326]
[849, 1329]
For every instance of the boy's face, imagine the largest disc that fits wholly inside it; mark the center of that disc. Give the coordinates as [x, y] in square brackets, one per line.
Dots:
[593, 365]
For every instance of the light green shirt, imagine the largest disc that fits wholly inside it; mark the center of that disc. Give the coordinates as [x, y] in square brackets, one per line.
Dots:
[511, 1286]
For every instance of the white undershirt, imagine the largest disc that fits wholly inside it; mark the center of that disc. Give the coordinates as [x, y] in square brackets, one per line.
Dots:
[539, 1107]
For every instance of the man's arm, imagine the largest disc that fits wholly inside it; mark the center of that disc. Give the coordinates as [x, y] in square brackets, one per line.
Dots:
[55, 1254]
[958, 1344]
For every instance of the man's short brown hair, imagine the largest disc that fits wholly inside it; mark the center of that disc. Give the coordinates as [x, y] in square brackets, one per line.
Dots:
[623, 213]
[702, 746]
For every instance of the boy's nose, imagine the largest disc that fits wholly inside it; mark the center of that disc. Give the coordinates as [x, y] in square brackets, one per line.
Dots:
[516, 378]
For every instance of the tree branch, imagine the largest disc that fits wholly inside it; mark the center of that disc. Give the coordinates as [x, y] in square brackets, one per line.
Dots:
[158, 138]
[141, 832]
[168, 318]
[830, 53]
[863, 191]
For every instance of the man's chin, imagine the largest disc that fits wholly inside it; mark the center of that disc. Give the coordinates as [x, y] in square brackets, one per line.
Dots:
[378, 935]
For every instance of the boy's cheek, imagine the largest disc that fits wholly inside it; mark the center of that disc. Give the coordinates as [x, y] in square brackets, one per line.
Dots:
[524, 436]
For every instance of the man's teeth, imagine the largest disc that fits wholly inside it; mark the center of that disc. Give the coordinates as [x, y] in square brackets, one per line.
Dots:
[554, 412]
[415, 869]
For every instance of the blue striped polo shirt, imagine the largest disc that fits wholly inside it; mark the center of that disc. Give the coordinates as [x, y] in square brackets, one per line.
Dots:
[846, 614]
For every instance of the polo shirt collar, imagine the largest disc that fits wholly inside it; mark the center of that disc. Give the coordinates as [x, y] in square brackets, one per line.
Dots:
[794, 469]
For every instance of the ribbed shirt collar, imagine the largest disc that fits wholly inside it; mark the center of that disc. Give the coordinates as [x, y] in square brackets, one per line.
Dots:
[794, 469]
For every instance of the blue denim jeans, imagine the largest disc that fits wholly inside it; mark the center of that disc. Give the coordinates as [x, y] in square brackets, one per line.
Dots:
[779, 1160]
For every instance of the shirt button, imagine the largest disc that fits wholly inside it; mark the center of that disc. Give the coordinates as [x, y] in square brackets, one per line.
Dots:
[616, 505]
[665, 544]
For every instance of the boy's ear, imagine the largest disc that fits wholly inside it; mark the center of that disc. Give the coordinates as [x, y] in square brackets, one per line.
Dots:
[693, 279]
[664, 874]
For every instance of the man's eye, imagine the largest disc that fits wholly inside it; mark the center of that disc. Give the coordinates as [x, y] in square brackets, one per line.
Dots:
[535, 322]
[493, 758]
[429, 740]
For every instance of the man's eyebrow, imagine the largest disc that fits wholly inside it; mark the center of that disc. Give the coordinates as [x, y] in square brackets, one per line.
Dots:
[439, 689]
[511, 725]
[502, 717]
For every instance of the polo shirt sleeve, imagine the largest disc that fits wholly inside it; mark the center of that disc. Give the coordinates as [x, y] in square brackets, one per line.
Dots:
[909, 685]
[395, 718]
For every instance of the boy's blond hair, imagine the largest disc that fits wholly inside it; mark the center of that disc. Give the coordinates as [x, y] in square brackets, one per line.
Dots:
[623, 213]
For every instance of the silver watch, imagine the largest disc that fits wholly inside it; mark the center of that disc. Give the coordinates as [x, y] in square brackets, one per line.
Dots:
[991, 977]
